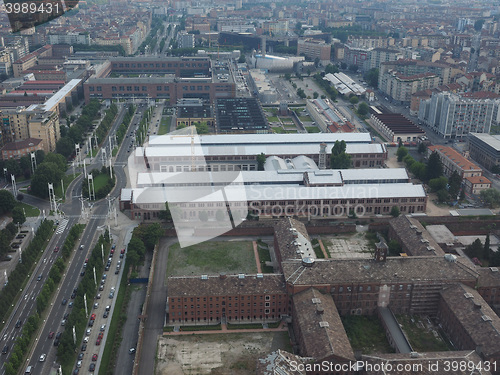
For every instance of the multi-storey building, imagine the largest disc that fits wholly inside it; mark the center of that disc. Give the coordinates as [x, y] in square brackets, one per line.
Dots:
[16, 150]
[69, 38]
[401, 87]
[377, 56]
[5, 62]
[314, 48]
[456, 115]
[453, 161]
[485, 149]
[30, 60]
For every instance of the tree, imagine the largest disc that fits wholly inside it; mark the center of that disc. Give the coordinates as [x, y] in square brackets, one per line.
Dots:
[7, 201]
[494, 258]
[443, 195]
[261, 160]
[315, 95]
[454, 182]
[462, 194]
[371, 77]
[422, 148]
[418, 169]
[475, 249]
[65, 147]
[363, 109]
[395, 211]
[165, 214]
[434, 166]
[408, 160]
[339, 158]
[486, 248]
[394, 248]
[491, 197]
[439, 183]
[354, 99]
[401, 153]
[18, 215]
[330, 68]
[478, 25]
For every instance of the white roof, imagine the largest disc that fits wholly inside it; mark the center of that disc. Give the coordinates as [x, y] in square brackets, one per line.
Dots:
[160, 195]
[374, 174]
[491, 140]
[58, 96]
[260, 139]
[126, 194]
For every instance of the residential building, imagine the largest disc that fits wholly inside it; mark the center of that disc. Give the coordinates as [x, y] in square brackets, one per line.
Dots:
[379, 55]
[45, 126]
[456, 115]
[16, 150]
[485, 149]
[30, 60]
[69, 38]
[314, 48]
[476, 184]
[453, 161]
[401, 87]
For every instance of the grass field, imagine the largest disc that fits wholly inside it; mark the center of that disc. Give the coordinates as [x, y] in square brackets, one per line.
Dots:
[272, 119]
[164, 125]
[421, 337]
[366, 334]
[211, 258]
[29, 210]
[312, 129]
[278, 130]
[100, 181]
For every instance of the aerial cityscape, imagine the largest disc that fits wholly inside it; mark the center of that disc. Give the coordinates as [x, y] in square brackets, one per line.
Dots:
[227, 187]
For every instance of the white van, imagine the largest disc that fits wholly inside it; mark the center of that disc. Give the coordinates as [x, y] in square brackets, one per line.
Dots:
[28, 370]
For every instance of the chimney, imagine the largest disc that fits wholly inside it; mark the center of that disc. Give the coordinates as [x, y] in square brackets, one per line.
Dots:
[319, 309]
[222, 276]
[477, 305]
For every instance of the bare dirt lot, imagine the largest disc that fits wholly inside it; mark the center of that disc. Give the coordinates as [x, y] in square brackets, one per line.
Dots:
[217, 354]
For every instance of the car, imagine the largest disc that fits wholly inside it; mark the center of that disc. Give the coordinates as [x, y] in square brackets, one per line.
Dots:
[107, 267]
[80, 356]
[98, 341]
[108, 307]
[113, 247]
[82, 273]
[88, 331]
[73, 295]
[5, 349]
[84, 347]
[98, 296]
[103, 328]
[86, 339]
[63, 322]
[104, 276]
[105, 315]
[112, 252]
[96, 305]
[42, 357]
[101, 288]
[122, 251]
[58, 335]
[66, 316]
[51, 335]
[81, 247]
[100, 335]
[91, 323]
[117, 271]
[92, 317]
[56, 342]
[111, 294]
[78, 364]
[94, 357]
[70, 305]
[86, 260]
[56, 249]
[92, 367]
[131, 351]
[39, 277]
[19, 323]
[64, 301]
[76, 372]
[103, 282]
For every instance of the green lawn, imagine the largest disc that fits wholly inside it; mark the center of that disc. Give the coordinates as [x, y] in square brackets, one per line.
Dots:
[211, 258]
[100, 180]
[29, 210]
[305, 118]
[278, 130]
[264, 257]
[312, 129]
[422, 339]
[93, 152]
[272, 119]
[366, 334]
[164, 125]
[66, 180]
[115, 151]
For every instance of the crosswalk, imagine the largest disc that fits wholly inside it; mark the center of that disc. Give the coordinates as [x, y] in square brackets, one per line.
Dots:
[62, 226]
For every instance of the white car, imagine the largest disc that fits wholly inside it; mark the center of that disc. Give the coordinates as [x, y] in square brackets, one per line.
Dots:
[42, 357]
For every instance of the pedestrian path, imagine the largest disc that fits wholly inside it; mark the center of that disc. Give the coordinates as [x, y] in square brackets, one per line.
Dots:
[282, 328]
[256, 254]
[62, 226]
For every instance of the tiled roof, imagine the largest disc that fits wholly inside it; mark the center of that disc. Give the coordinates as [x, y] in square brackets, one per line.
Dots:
[455, 157]
[476, 317]
[19, 145]
[478, 180]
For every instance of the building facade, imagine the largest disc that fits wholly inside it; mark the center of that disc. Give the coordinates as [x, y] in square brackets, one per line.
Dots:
[485, 149]
[314, 48]
[453, 161]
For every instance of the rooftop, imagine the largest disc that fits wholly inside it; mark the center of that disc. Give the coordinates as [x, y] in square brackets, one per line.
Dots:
[226, 285]
[293, 240]
[476, 317]
[398, 124]
[491, 140]
[455, 157]
[414, 238]
[393, 270]
[19, 145]
[319, 323]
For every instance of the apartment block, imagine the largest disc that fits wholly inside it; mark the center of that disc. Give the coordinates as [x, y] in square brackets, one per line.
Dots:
[453, 161]
[456, 115]
[314, 48]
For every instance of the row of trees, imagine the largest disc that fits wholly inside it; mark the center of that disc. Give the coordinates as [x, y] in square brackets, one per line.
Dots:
[18, 276]
[477, 252]
[66, 350]
[75, 134]
[101, 191]
[9, 205]
[325, 85]
[20, 167]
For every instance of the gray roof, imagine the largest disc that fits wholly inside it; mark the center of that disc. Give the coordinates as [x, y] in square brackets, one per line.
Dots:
[491, 140]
